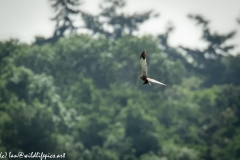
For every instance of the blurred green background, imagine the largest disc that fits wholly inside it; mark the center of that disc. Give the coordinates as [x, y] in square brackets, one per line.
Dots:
[80, 94]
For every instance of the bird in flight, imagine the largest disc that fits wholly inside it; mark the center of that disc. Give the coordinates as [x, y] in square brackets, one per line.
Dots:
[143, 63]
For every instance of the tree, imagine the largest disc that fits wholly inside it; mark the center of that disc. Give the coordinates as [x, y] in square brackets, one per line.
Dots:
[232, 70]
[112, 23]
[65, 11]
[29, 106]
[208, 62]
[220, 124]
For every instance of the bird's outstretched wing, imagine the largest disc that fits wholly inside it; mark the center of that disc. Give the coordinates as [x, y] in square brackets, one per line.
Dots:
[155, 81]
[143, 64]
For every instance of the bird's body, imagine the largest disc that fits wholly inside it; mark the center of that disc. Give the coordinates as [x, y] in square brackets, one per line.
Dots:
[143, 63]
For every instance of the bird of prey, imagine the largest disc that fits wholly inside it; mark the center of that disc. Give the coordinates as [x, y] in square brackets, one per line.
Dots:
[143, 63]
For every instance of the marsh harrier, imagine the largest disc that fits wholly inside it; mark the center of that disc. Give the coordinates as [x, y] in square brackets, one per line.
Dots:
[143, 63]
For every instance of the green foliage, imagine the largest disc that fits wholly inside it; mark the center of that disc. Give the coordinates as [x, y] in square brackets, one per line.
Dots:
[82, 96]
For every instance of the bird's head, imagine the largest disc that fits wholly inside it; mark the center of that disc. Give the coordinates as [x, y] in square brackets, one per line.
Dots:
[143, 55]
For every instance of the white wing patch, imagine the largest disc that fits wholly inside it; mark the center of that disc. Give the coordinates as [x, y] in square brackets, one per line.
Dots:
[155, 81]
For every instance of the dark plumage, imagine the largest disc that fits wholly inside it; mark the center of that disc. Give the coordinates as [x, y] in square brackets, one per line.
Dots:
[143, 55]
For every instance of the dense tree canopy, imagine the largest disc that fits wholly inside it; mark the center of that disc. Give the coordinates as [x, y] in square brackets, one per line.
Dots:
[82, 95]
